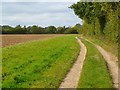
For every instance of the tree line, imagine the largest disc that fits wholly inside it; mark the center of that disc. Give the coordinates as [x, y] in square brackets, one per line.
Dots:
[101, 19]
[6, 29]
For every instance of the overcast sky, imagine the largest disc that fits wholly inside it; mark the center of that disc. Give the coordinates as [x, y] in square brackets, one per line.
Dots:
[38, 13]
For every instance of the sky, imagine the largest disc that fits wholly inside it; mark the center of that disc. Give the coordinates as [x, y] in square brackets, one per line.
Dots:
[43, 14]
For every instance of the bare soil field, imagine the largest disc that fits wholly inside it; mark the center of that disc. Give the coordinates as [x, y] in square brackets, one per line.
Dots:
[13, 39]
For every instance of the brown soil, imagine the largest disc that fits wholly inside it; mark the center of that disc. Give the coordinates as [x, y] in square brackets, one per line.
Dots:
[72, 78]
[13, 39]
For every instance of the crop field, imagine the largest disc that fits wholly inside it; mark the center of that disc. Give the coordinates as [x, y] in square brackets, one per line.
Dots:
[7, 40]
[38, 64]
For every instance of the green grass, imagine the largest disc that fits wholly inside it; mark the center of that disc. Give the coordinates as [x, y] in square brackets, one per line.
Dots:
[95, 73]
[38, 64]
[106, 44]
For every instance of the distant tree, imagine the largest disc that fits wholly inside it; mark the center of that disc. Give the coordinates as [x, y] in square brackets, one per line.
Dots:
[6, 29]
[71, 30]
[19, 30]
[28, 29]
[51, 29]
[41, 30]
[34, 29]
[25, 29]
[78, 27]
[38, 30]
[0, 29]
[61, 30]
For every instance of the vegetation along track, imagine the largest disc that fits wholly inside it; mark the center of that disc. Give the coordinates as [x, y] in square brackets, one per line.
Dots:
[111, 62]
[95, 73]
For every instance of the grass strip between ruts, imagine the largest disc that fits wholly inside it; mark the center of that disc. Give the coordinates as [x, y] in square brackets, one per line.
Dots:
[95, 73]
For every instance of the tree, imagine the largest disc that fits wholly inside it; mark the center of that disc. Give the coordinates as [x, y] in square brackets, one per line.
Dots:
[78, 27]
[35, 30]
[99, 18]
[71, 31]
[19, 30]
[61, 30]
[51, 29]
[6, 29]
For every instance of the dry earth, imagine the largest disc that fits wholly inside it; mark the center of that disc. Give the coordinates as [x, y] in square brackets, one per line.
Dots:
[13, 39]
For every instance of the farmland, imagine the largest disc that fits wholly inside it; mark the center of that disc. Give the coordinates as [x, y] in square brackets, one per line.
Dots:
[43, 61]
[13, 39]
[38, 64]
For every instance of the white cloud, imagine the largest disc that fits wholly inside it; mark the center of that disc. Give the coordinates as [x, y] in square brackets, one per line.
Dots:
[74, 1]
[40, 0]
[57, 14]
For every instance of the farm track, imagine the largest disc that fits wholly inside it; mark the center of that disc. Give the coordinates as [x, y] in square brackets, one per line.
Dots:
[13, 39]
[72, 78]
[111, 63]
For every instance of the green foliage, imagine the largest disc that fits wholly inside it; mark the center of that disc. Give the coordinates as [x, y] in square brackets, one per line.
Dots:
[105, 43]
[78, 27]
[36, 30]
[71, 31]
[51, 30]
[38, 64]
[7, 29]
[119, 33]
[39, 30]
[19, 30]
[111, 29]
[100, 19]
[61, 30]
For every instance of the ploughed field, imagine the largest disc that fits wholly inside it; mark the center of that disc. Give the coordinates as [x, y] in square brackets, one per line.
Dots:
[13, 39]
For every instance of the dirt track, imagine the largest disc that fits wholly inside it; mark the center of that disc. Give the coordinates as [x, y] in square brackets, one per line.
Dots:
[112, 65]
[7, 40]
[72, 78]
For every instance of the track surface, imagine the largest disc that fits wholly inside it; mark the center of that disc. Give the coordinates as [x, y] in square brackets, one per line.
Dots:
[72, 78]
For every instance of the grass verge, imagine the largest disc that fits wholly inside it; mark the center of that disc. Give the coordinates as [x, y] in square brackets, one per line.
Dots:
[95, 73]
[106, 44]
[38, 64]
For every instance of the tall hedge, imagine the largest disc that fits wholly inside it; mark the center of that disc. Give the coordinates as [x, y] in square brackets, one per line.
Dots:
[100, 18]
